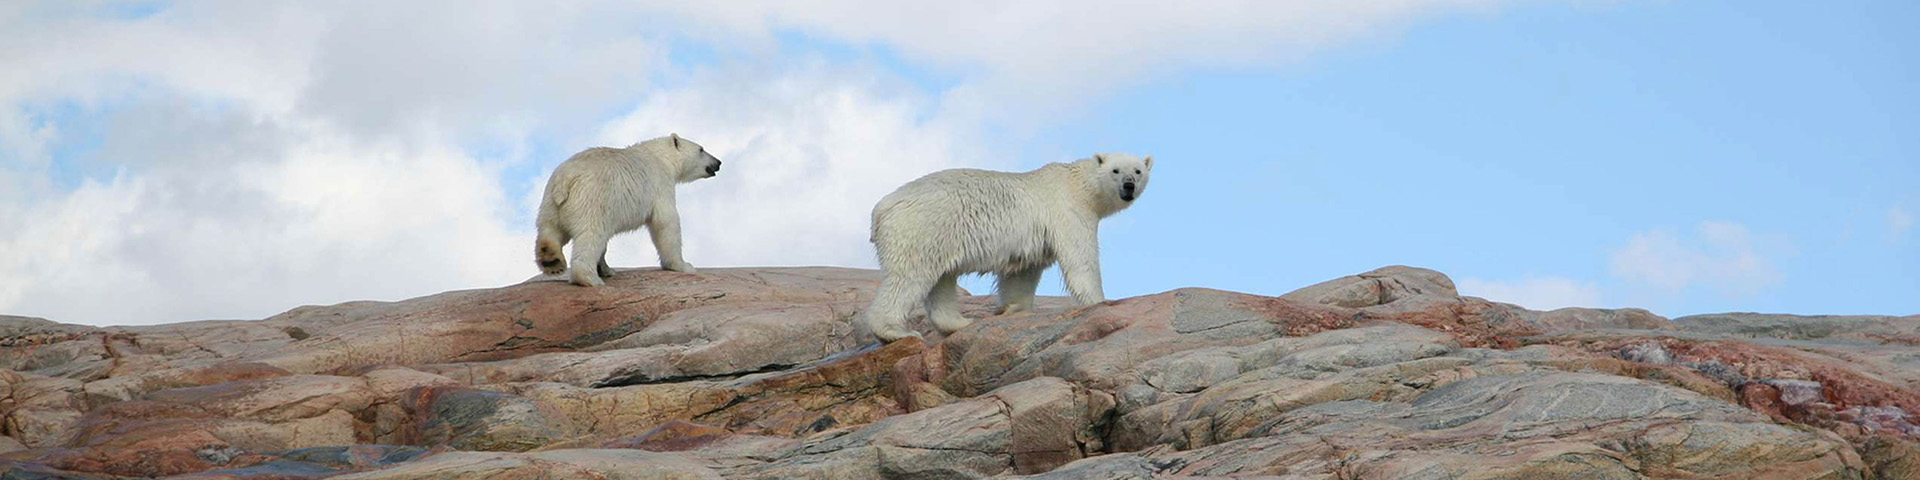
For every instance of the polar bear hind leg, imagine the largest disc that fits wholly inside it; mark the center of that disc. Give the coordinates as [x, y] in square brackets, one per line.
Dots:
[546, 249]
[887, 318]
[589, 252]
[943, 304]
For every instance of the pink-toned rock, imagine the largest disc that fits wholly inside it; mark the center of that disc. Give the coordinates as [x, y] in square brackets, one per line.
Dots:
[766, 373]
[45, 348]
[1028, 427]
[537, 317]
[1401, 287]
[849, 389]
[275, 399]
[700, 342]
[462, 326]
[146, 438]
[583, 464]
[673, 436]
[1801, 382]
[39, 411]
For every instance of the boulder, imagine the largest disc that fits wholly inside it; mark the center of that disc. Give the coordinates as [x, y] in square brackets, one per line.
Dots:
[470, 419]
[1028, 427]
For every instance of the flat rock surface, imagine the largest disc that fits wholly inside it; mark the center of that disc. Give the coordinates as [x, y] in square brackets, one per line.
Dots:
[767, 373]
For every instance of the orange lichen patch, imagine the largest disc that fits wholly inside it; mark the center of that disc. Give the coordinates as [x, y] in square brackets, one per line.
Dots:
[230, 372]
[1475, 323]
[1841, 387]
[1298, 319]
[1890, 339]
[674, 436]
[1764, 399]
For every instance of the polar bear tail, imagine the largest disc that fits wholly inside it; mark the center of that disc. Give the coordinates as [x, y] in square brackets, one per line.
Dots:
[546, 252]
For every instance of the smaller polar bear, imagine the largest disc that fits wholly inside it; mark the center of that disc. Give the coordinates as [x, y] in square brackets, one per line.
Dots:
[604, 191]
[1014, 225]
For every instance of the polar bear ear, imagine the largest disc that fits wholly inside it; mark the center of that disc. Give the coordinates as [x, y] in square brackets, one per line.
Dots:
[1149, 161]
[1101, 159]
[676, 140]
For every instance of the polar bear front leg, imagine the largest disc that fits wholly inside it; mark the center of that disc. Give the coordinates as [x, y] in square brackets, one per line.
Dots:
[665, 229]
[887, 317]
[943, 304]
[1016, 290]
[1079, 254]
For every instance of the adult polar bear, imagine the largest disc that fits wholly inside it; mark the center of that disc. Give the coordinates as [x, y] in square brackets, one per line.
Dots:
[1014, 225]
[603, 191]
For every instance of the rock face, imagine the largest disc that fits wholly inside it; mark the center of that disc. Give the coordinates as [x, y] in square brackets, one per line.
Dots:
[764, 374]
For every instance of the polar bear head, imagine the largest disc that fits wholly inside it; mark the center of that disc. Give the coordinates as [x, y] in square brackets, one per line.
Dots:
[1121, 175]
[694, 161]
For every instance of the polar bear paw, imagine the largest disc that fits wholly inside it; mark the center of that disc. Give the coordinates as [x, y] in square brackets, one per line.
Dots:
[587, 279]
[682, 267]
[892, 333]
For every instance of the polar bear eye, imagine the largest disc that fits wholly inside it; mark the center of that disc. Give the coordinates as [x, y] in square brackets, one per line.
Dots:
[1136, 171]
[1116, 170]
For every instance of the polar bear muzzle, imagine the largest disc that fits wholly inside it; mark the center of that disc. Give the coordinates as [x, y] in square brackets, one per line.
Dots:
[713, 163]
[1126, 191]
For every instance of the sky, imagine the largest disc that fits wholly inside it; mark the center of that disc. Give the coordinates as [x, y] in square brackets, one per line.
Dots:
[172, 161]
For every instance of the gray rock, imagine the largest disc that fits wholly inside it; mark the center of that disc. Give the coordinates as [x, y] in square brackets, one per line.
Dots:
[1869, 329]
[1380, 287]
[469, 419]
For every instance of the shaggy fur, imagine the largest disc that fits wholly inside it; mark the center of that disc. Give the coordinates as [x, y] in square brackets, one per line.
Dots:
[1013, 225]
[603, 191]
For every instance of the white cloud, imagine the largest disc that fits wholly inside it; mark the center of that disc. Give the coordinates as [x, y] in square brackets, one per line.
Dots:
[252, 239]
[269, 156]
[1060, 53]
[1538, 293]
[807, 154]
[247, 157]
[1724, 257]
[1898, 222]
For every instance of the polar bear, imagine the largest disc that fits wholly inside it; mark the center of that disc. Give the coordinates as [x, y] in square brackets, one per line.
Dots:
[604, 191]
[1014, 225]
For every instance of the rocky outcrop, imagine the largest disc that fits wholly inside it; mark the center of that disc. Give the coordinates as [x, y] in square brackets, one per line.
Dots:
[764, 373]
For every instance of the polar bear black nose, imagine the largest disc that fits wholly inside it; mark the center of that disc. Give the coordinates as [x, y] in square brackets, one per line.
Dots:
[1126, 191]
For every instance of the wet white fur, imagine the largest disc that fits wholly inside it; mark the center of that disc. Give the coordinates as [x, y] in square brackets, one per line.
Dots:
[604, 191]
[1014, 225]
